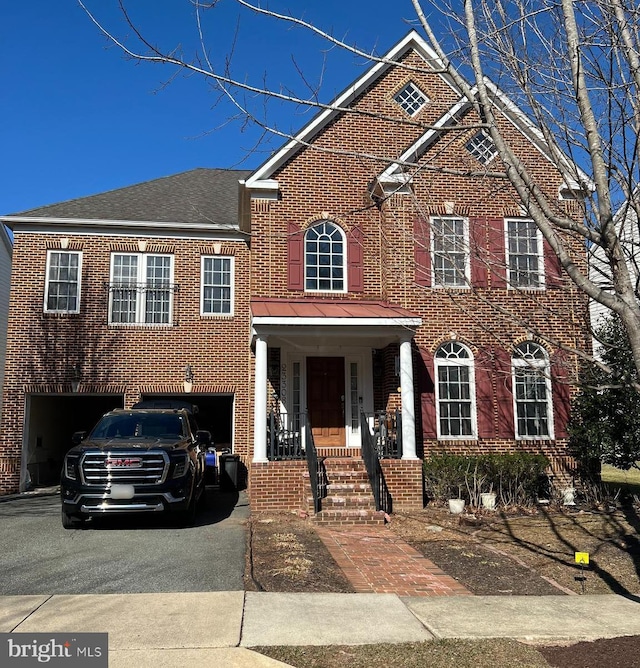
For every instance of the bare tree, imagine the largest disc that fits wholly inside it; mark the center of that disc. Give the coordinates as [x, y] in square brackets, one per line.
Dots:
[573, 67]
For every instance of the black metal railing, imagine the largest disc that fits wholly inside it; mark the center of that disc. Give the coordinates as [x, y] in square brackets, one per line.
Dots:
[149, 303]
[289, 437]
[317, 474]
[371, 458]
[284, 435]
[387, 433]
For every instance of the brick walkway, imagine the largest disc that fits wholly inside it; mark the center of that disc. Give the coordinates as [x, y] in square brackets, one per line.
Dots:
[376, 561]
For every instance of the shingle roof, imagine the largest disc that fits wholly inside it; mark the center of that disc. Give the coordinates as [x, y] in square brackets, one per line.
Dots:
[197, 196]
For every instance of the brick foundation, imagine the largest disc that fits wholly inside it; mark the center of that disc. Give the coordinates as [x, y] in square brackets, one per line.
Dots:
[277, 486]
[404, 482]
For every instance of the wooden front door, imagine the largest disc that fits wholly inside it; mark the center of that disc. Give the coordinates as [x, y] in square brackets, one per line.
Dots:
[325, 400]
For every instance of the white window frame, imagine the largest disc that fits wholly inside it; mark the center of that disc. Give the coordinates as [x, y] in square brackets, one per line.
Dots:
[539, 366]
[49, 281]
[463, 281]
[483, 150]
[345, 264]
[465, 362]
[539, 255]
[141, 289]
[409, 100]
[231, 286]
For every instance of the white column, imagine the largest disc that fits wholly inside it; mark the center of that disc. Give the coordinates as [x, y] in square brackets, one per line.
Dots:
[408, 404]
[260, 403]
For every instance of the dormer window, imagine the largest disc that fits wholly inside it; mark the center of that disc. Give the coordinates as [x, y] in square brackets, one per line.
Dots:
[482, 148]
[411, 99]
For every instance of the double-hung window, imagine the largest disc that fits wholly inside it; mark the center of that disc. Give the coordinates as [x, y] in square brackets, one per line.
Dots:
[62, 286]
[455, 391]
[324, 258]
[532, 391]
[216, 297]
[450, 252]
[524, 254]
[141, 289]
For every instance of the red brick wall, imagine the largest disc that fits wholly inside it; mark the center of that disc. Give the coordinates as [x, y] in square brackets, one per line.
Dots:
[318, 184]
[404, 482]
[42, 348]
[277, 486]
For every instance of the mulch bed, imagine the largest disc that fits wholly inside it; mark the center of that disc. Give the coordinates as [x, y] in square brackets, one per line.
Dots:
[489, 555]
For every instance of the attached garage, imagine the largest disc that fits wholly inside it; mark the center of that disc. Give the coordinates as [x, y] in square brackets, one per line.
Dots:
[50, 422]
[215, 414]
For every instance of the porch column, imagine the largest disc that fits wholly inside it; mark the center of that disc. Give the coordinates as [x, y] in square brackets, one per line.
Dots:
[408, 404]
[260, 402]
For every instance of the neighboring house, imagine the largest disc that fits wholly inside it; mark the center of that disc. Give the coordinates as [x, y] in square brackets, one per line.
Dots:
[6, 251]
[324, 303]
[628, 229]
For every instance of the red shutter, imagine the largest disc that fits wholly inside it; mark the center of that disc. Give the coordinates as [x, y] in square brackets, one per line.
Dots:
[478, 251]
[504, 394]
[561, 394]
[497, 254]
[422, 251]
[552, 267]
[295, 253]
[354, 256]
[427, 392]
[484, 372]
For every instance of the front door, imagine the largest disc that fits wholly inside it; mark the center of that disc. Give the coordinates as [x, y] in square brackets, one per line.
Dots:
[325, 400]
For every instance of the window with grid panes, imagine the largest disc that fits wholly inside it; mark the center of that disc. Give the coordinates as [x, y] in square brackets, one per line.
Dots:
[524, 254]
[141, 289]
[217, 285]
[411, 98]
[324, 258]
[482, 148]
[62, 285]
[531, 391]
[450, 252]
[455, 391]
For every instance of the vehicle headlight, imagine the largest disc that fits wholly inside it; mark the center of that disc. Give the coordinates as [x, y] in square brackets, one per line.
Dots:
[180, 467]
[71, 467]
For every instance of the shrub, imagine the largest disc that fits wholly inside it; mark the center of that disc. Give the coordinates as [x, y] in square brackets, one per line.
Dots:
[517, 479]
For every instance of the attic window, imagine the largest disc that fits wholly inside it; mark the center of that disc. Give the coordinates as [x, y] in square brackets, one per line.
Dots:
[481, 148]
[411, 99]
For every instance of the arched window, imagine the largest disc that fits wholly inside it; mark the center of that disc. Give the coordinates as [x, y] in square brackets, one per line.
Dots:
[532, 391]
[324, 258]
[455, 391]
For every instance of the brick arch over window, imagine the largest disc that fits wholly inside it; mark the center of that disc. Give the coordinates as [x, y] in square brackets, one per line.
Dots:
[353, 275]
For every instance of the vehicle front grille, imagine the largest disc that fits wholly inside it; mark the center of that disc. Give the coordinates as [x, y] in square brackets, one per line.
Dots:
[124, 468]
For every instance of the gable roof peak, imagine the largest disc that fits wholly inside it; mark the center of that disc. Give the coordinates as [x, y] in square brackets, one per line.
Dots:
[262, 177]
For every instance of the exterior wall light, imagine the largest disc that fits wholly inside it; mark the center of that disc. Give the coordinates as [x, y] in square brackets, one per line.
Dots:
[188, 378]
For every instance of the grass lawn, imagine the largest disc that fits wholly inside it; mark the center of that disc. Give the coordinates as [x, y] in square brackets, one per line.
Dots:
[628, 481]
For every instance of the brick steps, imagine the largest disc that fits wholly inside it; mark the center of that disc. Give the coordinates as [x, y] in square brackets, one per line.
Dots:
[349, 499]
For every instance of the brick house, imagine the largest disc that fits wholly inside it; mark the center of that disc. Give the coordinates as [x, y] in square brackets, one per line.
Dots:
[332, 302]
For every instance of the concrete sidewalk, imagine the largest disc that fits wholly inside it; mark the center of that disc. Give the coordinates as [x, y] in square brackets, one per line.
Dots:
[219, 628]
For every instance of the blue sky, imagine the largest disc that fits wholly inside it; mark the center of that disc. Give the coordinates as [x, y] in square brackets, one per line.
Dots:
[79, 118]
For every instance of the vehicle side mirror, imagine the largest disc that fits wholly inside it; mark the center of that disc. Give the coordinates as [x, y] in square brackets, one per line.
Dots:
[78, 437]
[203, 437]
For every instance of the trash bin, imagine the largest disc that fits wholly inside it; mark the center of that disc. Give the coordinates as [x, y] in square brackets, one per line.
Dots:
[229, 471]
[211, 467]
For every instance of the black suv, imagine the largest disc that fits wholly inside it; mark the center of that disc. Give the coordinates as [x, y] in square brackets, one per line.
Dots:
[143, 459]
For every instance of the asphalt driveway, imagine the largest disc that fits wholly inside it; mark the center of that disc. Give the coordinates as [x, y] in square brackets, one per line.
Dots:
[142, 554]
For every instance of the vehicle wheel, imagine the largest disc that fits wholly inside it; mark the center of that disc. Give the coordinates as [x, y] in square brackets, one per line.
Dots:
[71, 521]
[187, 518]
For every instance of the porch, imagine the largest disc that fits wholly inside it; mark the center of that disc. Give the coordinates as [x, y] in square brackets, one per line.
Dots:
[326, 384]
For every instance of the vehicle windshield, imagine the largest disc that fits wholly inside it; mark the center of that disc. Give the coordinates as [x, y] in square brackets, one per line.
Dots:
[144, 425]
